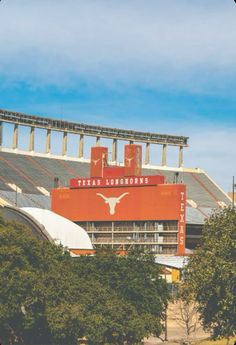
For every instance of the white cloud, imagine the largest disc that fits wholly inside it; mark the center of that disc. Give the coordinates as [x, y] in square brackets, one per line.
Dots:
[182, 43]
[212, 149]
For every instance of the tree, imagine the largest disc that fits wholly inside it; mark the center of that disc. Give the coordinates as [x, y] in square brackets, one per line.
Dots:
[36, 287]
[135, 279]
[47, 297]
[211, 274]
[184, 312]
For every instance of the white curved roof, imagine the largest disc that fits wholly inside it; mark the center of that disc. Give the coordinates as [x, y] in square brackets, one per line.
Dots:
[172, 261]
[62, 230]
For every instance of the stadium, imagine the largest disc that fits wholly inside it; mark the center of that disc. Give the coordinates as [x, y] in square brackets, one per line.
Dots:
[28, 178]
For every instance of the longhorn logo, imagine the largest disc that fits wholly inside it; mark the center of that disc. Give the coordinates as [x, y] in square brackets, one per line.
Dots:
[129, 160]
[112, 201]
[95, 161]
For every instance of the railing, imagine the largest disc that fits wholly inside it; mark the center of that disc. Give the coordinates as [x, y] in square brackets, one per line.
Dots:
[134, 241]
[133, 230]
[90, 130]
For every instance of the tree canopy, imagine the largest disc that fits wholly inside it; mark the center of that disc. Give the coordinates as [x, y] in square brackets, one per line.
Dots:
[211, 274]
[47, 297]
[136, 281]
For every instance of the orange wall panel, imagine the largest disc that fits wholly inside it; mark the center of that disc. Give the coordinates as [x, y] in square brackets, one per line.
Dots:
[116, 171]
[98, 161]
[182, 224]
[161, 202]
[133, 160]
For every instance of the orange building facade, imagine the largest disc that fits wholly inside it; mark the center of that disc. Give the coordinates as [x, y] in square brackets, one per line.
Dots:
[119, 207]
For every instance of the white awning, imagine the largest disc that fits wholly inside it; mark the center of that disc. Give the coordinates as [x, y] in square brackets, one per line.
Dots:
[62, 230]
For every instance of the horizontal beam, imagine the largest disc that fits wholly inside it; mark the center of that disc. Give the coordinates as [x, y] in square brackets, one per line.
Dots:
[90, 130]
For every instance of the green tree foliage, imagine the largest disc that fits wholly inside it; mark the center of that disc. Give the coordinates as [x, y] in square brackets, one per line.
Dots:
[49, 298]
[211, 274]
[136, 281]
[36, 288]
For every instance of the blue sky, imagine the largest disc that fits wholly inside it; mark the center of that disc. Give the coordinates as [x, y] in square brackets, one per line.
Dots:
[159, 65]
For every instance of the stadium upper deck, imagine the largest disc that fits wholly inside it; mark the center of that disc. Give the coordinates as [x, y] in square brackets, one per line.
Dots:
[27, 179]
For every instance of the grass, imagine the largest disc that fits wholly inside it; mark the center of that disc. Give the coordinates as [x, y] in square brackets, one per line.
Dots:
[217, 342]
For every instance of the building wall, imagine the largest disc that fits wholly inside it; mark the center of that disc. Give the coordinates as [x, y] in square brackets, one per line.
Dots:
[161, 202]
[160, 237]
[136, 208]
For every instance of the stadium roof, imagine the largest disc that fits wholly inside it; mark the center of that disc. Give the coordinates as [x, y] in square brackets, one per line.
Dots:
[90, 130]
[172, 261]
[60, 229]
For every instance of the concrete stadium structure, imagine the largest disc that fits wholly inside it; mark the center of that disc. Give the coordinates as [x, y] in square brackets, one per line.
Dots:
[27, 177]
[115, 134]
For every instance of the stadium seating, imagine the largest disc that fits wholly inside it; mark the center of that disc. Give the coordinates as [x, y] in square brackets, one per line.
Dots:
[200, 188]
[28, 172]
[25, 199]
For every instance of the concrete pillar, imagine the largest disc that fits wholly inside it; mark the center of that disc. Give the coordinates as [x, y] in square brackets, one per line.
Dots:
[98, 141]
[48, 141]
[15, 137]
[114, 150]
[181, 150]
[81, 146]
[1, 132]
[163, 161]
[64, 144]
[147, 153]
[112, 235]
[31, 144]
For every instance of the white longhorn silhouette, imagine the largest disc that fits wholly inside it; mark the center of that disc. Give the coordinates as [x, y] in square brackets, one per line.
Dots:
[112, 201]
[129, 160]
[95, 161]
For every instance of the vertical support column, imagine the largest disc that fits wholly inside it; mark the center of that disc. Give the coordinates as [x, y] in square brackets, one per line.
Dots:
[64, 144]
[31, 144]
[81, 146]
[15, 137]
[163, 161]
[48, 141]
[98, 141]
[181, 149]
[112, 235]
[1, 132]
[114, 150]
[147, 153]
